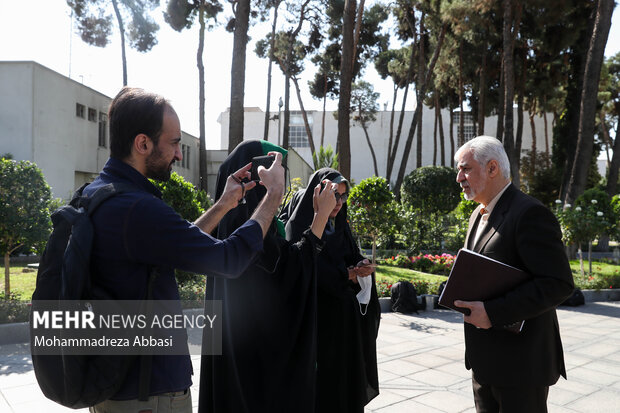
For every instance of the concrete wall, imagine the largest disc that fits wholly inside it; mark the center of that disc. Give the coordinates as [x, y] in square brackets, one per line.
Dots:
[38, 123]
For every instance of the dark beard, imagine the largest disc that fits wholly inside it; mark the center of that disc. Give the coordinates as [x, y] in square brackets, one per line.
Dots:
[157, 168]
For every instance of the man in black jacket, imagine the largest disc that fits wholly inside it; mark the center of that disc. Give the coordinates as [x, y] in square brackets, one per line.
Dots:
[512, 372]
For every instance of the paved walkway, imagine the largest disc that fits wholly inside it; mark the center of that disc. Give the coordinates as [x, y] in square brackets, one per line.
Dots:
[421, 366]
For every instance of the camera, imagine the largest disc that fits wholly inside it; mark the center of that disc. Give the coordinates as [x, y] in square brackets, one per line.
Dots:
[257, 161]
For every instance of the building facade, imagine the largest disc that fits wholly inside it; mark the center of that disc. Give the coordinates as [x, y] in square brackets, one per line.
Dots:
[379, 133]
[62, 126]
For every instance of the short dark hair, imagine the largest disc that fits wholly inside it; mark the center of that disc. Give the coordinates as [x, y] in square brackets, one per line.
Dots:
[132, 112]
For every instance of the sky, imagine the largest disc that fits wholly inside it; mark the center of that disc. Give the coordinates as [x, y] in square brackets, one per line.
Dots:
[44, 31]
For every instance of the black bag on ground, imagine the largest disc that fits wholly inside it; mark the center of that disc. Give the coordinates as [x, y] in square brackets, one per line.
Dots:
[77, 381]
[576, 299]
[404, 297]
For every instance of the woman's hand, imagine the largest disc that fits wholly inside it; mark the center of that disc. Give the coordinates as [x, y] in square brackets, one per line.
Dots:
[363, 269]
[324, 201]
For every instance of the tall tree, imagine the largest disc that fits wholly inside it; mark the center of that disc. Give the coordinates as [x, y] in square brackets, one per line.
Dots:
[239, 26]
[364, 111]
[420, 95]
[181, 14]
[611, 111]
[94, 19]
[275, 4]
[587, 114]
[346, 77]
[509, 34]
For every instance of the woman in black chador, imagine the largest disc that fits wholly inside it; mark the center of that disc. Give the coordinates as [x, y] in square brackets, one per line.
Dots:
[348, 310]
[268, 360]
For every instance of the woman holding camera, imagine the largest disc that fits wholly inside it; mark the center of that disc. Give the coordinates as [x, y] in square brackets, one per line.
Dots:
[348, 310]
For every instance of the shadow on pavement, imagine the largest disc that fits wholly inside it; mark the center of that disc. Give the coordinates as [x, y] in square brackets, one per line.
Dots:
[15, 359]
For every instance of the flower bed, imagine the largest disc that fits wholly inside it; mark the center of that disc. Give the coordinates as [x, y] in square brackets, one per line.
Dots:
[429, 263]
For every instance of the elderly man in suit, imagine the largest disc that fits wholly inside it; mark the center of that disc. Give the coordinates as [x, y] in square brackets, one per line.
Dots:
[512, 372]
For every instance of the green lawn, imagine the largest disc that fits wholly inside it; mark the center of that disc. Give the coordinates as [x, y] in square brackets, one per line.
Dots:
[425, 283]
[604, 275]
[23, 280]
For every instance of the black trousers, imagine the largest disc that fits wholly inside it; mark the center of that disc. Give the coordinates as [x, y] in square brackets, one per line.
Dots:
[494, 399]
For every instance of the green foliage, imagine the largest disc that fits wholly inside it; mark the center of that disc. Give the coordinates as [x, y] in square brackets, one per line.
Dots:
[372, 208]
[431, 189]
[542, 181]
[363, 103]
[589, 218]
[296, 185]
[325, 158]
[458, 232]
[95, 21]
[183, 197]
[615, 218]
[189, 202]
[24, 208]
[425, 232]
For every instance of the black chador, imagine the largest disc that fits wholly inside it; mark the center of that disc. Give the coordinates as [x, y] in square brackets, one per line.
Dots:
[268, 361]
[346, 343]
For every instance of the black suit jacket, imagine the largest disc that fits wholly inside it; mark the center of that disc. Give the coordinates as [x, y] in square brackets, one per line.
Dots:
[523, 233]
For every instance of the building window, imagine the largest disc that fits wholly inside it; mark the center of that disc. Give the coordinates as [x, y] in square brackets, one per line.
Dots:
[92, 115]
[80, 111]
[185, 151]
[297, 136]
[468, 125]
[103, 127]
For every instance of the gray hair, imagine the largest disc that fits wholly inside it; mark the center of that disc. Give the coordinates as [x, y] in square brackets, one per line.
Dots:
[485, 149]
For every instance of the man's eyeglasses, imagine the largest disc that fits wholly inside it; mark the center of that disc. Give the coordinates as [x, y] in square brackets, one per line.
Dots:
[342, 197]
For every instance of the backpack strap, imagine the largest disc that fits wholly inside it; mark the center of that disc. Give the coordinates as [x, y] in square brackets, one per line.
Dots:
[146, 361]
[90, 203]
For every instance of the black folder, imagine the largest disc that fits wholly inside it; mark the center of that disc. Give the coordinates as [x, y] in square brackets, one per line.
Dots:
[475, 277]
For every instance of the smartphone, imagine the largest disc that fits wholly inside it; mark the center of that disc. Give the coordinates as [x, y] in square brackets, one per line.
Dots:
[257, 161]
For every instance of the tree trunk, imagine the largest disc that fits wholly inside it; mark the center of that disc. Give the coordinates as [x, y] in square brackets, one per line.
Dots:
[418, 112]
[509, 88]
[589, 98]
[392, 114]
[614, 166]
[533, 160]
[202, 139]
[372, 150]
[237, 74]
[271, 46]
[358, 29]
[420, 98]
[435, 135]
[304, 115]
[346, 77]
[461, 87]
[483, 90]
[121, 29]
[452, 146]
[442, 143]
[499, 134]
[546, 132]
[323, 116]
[7, 275]
[568, 142]
[399, 131]
[287, 112]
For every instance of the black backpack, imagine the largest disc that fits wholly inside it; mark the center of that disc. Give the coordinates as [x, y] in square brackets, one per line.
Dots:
[576, 299]
[78, 381]
[404, 297]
